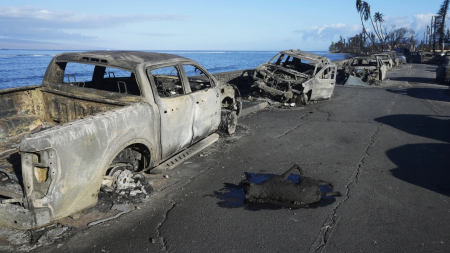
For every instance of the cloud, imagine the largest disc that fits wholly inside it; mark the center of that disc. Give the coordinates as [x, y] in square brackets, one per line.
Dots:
[329, 32]
[153, 34]
[31, 22]
[421, 21]
[418, 22]
[398, 22]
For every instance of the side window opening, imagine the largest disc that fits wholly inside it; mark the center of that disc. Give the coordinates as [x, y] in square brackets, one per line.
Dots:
[279, 60]
[198, 80]
[168, 82]
[101, 78]
[326, 74]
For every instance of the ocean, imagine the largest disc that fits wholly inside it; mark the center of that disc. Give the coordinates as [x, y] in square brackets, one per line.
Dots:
[27, 67]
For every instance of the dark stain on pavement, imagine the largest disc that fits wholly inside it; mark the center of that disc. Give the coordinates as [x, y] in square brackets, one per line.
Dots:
[233, 196]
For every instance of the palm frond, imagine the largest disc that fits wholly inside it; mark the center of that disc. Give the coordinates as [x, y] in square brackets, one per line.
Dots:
[358, 5]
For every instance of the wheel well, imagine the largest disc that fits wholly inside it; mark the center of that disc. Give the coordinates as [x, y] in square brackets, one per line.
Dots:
[141, 149]
[227, 101]
[145, 152]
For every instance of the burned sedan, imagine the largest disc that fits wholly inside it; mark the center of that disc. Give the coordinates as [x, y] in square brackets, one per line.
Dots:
[370, 69]
[295, 76]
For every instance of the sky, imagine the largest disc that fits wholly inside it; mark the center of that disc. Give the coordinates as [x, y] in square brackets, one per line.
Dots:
[196, 25]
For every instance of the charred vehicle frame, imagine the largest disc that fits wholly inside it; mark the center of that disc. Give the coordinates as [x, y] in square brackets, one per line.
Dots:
[443, 70]
[65, 140]
[369, 68]
[296, 77]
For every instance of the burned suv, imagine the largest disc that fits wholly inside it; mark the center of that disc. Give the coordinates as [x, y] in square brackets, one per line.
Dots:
[370, 69]
[296, 77]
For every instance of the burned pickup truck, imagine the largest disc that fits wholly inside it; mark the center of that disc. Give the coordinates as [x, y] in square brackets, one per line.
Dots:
[296, 77]
[98, 120]
[370, 69]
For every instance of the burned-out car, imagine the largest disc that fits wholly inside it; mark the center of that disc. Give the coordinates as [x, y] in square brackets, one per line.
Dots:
[421, 57]
[296, 77]
[415, 57]
[387, 60]
[443, 70]
[394, 58]
[401, 57]
[98, 120]
[370, 69]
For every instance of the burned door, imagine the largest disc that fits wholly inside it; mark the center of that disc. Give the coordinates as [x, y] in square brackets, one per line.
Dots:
[175, 109]
[206, 102]
[325, 82]
[382, 69]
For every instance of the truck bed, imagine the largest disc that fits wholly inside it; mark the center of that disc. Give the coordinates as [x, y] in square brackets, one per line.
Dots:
[31, 109]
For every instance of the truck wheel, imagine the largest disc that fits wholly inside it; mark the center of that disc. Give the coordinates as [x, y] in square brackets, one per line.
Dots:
[228, 122]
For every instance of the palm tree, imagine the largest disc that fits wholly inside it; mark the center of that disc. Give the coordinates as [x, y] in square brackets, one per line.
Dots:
[378, 17]
[363, 9]
[443, 13]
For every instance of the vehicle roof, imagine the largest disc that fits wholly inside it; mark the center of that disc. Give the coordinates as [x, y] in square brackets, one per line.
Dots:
[364, 57]
[304, 55]
[121, 59]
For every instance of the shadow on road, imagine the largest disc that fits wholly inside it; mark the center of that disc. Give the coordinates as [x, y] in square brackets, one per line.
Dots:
[233, 196]
[411, 79]
[421, 125]
[427, 164]
[424, 93]
[424, 165]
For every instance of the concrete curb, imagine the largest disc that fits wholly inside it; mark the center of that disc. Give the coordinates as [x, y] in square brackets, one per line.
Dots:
[253, 108]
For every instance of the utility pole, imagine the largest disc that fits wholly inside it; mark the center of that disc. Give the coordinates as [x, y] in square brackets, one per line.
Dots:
[431, 33]
[434, 36]
[423, 41]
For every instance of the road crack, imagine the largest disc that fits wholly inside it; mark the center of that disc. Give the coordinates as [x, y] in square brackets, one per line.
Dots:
[162, 240]
[294, 128]
[320, 243]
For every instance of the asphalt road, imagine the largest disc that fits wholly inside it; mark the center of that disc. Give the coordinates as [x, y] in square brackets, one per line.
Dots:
[385, 148]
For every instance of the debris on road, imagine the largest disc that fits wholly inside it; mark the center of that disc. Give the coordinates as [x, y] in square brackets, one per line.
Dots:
[355, 81]
[119, 207]
[12, 240]
[280, 191]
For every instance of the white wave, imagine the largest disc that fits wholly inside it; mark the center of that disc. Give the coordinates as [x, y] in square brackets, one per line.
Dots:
[195, 52]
